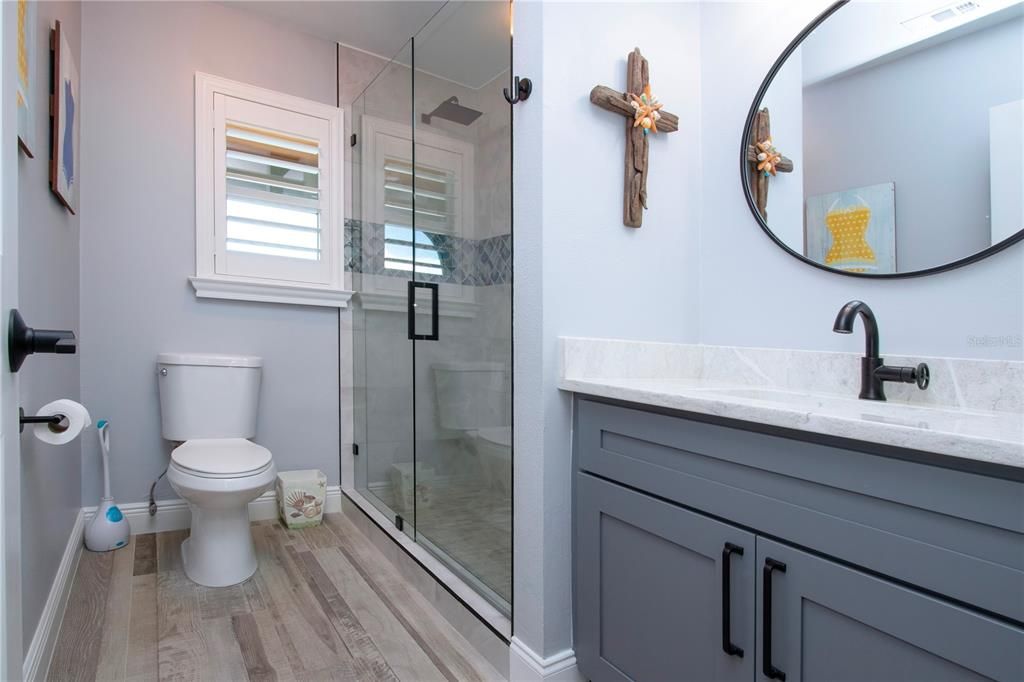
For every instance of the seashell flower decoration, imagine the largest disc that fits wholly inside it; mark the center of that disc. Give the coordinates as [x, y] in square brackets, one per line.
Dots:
[303, 504]
[767, 157]
[645, 110]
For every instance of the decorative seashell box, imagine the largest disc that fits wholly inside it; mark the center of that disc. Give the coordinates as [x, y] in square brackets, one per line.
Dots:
[300, 497]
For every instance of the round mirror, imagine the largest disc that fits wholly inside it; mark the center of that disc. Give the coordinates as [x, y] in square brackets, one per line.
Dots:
[888, 139]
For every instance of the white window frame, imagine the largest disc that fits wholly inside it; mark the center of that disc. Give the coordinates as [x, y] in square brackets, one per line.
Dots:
[379, 292]
[333, 288]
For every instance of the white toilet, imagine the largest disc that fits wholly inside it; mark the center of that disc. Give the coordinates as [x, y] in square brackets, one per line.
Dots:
[473, 398]
[208, 403]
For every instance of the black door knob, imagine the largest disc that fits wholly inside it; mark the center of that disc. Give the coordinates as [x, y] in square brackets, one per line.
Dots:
[23, 341]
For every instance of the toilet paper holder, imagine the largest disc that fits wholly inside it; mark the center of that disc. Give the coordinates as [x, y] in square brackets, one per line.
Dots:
[58, 422]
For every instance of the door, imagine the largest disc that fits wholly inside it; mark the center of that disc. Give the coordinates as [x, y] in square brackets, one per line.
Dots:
[820, 620]
[433, 325]
[462, 286]
[662, 593]
[10, 455]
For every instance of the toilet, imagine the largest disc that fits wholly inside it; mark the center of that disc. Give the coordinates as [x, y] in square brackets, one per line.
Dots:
[473, 399]
[208, 404]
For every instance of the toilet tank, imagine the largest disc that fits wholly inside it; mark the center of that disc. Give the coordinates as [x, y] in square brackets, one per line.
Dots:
[203, 395]
[472, 395]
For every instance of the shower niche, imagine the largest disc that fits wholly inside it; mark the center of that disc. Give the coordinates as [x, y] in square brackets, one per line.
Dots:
[429, 247]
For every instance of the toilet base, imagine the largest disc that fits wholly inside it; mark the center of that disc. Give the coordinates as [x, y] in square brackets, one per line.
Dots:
[220, 551]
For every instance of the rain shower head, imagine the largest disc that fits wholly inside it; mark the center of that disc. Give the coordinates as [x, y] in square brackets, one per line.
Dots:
[451, 110]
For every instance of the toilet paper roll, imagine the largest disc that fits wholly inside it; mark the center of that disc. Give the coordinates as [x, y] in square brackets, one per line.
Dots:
[76, 419]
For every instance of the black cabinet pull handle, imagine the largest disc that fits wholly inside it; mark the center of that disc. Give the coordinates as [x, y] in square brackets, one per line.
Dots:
[434, 317]
[769, 670]
[727, 645]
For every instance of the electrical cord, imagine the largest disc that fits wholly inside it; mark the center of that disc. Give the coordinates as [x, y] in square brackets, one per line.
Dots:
[152, 488]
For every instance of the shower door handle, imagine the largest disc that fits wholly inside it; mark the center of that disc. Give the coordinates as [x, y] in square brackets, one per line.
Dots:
[434, 317]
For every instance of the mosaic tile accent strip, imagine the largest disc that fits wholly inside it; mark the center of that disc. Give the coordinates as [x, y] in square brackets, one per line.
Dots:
[472, 262]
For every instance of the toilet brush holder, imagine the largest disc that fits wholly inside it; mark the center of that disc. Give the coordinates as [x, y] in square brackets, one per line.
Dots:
[108, 529]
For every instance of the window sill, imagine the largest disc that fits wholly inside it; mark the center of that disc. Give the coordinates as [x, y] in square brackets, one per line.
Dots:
[269, 292]
[397, 303]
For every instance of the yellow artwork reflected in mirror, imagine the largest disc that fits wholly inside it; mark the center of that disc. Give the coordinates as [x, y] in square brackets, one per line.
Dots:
[26, 64]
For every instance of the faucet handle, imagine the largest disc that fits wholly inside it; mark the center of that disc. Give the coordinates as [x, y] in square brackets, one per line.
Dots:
[922, 376]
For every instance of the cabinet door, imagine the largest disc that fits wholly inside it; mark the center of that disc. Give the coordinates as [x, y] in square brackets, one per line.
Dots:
[649, 589]
[826, 621]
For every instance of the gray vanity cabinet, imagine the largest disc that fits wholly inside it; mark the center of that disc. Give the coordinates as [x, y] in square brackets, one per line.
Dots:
[831, 623]
[854, 566]
[650, 600]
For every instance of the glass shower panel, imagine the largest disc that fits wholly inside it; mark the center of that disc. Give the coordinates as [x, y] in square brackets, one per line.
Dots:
[380, 252]
[459, 236]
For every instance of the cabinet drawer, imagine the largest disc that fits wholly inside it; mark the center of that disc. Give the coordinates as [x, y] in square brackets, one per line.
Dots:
[955, 533]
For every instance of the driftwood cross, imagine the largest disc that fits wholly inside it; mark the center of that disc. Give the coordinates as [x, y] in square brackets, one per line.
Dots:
[637, 78]
[759, 133]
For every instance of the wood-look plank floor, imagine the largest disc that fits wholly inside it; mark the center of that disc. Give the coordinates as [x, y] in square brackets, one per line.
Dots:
[325, 604]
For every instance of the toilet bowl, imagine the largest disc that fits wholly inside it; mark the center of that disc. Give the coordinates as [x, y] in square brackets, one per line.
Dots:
[473, 400]
[493, 447]
[208, 404]
[219, 478]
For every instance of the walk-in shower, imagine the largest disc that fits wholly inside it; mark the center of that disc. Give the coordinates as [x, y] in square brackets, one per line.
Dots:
[430, 249]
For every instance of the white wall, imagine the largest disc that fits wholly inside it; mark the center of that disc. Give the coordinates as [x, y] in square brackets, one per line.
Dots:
[578, 270]
[49, 298]
[1006, 169]
[138, 64]
[754, 294]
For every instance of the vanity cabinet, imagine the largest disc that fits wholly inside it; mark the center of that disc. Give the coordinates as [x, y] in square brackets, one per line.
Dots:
[650, 592]
[700, 547]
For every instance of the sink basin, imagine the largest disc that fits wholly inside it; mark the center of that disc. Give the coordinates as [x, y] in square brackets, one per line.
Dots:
[916, 416]
[799, 400]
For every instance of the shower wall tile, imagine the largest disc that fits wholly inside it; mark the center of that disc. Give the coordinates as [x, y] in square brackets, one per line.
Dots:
[469, 262]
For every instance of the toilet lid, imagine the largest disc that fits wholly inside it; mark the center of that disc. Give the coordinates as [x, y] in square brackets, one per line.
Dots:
[221, 456]
[499, 435]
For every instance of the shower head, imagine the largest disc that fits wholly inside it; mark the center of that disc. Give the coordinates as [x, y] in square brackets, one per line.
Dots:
[451, 110]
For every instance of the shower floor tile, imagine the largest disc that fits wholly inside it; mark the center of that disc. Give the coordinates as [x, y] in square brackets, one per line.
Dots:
[470, 523]
[324, 604]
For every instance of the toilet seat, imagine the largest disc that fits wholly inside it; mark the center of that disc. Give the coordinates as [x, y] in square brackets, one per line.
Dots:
[221, 457]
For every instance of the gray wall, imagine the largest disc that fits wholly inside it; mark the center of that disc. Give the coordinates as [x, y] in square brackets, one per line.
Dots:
[753, 294]
[48, 284]
[921, 121]
[578, 270]
[139, 225]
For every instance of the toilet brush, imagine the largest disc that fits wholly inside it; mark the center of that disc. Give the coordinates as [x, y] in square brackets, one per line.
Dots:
[108, 529]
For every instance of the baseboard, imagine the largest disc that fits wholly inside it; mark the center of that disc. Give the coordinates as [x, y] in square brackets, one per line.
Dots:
[526, 666]
[175, 514]
[40, 651]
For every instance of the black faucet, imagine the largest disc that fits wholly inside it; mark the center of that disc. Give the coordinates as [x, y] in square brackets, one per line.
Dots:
[873, 371]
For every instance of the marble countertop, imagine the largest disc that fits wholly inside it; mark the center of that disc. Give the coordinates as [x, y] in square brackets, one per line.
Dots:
[739, 384]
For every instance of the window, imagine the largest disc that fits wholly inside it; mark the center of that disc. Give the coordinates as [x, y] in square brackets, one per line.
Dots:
[268, 196]
[434, 210]
[443, 207]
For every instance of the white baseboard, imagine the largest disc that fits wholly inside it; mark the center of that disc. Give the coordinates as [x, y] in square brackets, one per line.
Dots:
[40, 651]
[526, 666]
[175, 514]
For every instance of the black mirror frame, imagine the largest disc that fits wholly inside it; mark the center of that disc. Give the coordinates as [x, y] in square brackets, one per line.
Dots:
[745, 176]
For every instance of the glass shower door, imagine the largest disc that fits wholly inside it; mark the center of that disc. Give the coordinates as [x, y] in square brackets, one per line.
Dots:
[462, 279]
[381, 264]
[431, 255]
